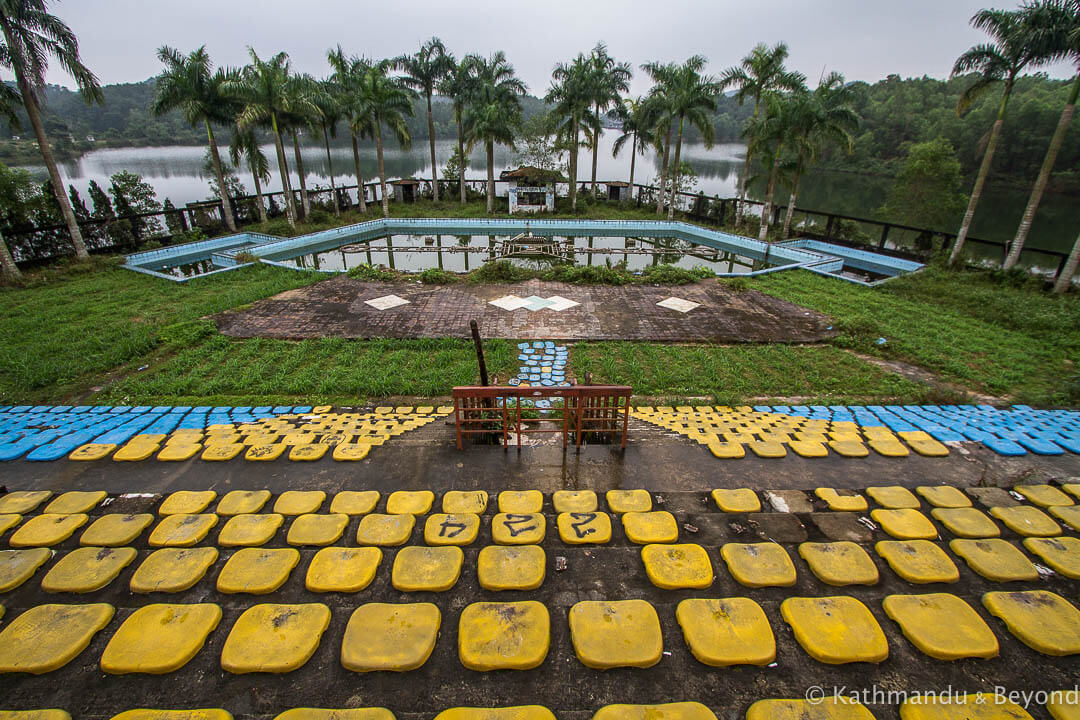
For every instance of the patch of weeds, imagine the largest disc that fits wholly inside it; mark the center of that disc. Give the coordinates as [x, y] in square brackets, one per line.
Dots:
[372, 273]
[188, 333]
[244, 257]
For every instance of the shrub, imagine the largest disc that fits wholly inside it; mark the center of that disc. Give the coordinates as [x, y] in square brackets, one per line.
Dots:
[500, 271]
[588, 274]
[435, 276]
[372, 273]
[671, 275]
[190, 236]
[737, 284]
[318, 215]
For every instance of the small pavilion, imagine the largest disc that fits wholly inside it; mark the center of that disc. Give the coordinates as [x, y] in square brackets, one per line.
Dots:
[531, 189]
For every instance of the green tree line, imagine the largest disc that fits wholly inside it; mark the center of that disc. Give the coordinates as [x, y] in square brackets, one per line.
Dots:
[790, 127]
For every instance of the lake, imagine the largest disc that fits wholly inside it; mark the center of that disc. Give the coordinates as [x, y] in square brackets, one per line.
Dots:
[176, 172]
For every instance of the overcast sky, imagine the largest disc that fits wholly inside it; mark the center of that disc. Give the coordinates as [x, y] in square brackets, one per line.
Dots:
[863, 39]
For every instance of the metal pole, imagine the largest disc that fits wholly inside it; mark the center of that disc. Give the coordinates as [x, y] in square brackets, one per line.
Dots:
[479, 352]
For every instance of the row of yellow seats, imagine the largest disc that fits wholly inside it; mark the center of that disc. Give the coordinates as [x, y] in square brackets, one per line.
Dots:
[518, 563]
[1061, 705]
[719, 632]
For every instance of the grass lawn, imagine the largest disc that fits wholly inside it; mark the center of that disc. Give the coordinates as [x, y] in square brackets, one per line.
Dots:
[730, 374]
[73, 327]
[224, 371]
[86, 332]
[968, 327]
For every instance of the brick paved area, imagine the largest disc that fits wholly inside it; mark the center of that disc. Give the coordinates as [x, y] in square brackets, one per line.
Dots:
[338, 308]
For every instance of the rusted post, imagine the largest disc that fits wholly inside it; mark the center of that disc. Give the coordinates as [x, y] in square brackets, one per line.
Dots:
[479, 352]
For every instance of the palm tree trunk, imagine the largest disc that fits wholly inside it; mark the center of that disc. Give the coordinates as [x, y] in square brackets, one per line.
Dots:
[8, 269]
[573, 163]
[742, 189]
[226, 201]
[461, 154]
[300, 171]
[259, 195]
[431, 142]
[1064, 278]
[50, 163]
[633, 157]
[283, 170]
[980, 180]
[766, 210]
[490, 176]
[791, 203]
[675, 171]
[359, 178]
[330, 165]
[382, 169]
[1044, 176]
[595, 151]
[745, 174]
[663, 172]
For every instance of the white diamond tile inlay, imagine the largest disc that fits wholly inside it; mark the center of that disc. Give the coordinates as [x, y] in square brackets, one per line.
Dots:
[558, 303]
[509, 302]
[386, 302]
[535, 302]
[678, 304]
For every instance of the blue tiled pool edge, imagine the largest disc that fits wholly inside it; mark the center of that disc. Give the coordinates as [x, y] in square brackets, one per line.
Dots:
[814, 255]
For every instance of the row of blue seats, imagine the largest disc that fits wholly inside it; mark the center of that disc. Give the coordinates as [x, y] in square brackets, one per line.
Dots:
[140, 409]
[1015, 431]
[46, 432]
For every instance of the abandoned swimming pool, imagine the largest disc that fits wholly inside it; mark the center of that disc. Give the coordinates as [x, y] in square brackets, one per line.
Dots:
[457, 245]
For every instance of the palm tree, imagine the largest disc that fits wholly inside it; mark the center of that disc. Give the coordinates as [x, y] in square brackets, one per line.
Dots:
[190, 84]
[9, 98]
[768, 133]
[1048, 19]
[457, 85]
[31, 36]
[244, 146]
[304, 92]
[494, 109]
[691, 97]
[663, 117]
[608, 80]
[831, 118]
[347, 75]
[387, 101]
[263, 92]
[329, 117]
[1064, 278]
[760, 72]
[1013, 48]
[572, 97]
[423, 71]
[636, 124]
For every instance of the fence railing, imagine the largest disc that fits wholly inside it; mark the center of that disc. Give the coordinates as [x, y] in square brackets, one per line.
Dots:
[132, 232]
